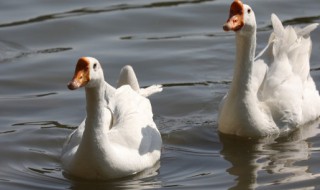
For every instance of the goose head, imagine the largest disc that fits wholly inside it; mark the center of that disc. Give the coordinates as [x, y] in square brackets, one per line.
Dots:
[88, 73]
[241, 18]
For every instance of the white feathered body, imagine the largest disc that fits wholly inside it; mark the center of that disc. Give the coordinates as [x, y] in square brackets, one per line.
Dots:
[279, 95]
[130, 145]
[118, 138]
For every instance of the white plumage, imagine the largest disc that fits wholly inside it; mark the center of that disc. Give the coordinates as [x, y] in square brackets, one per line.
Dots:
[118, 137]
[274, 93]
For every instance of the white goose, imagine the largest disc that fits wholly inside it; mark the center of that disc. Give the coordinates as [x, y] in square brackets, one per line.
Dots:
[118, 138]
[274, 93]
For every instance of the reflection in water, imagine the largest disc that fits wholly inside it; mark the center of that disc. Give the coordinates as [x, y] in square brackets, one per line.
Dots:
[242, 155]
[142, 180]
[251, 158]
[36, 162]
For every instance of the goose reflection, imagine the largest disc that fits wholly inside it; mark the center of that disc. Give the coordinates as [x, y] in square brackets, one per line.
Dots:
[142, 180]
[269, 161]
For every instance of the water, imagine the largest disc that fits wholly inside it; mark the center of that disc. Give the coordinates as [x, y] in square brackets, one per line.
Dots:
[177, 43]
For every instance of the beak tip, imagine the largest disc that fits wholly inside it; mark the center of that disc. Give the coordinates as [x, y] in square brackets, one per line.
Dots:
[226, 27]
[71, 86]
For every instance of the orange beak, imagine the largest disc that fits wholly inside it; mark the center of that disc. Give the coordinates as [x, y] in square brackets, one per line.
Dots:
[235, 21]
[81, 75]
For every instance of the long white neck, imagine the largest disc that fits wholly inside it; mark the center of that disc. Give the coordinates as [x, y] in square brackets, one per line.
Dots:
[96, 105]
[98, 120]
[245, 48]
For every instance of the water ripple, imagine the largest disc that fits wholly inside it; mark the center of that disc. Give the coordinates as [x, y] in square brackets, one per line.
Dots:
[86, 11]
[201, 83]
[45, 124]
[177, 36]
[6, 132]
[294, 21]
[19, 55]
[12, 97]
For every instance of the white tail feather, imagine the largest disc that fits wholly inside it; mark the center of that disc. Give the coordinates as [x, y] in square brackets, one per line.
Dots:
[150, 90]
[277, 25]
[305, 32]
[128, 76]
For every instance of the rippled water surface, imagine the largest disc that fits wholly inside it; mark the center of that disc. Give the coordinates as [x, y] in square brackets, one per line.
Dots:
[180, 44]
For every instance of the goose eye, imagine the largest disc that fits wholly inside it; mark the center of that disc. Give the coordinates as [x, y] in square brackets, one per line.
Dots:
[94, 66]
[249, 11]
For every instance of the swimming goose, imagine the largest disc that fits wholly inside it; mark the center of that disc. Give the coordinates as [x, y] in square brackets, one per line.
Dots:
[274, 93]
[118, 138]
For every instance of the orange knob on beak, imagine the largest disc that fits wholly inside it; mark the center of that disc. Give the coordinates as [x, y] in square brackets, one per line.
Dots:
[235, 21]
[81, 75]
